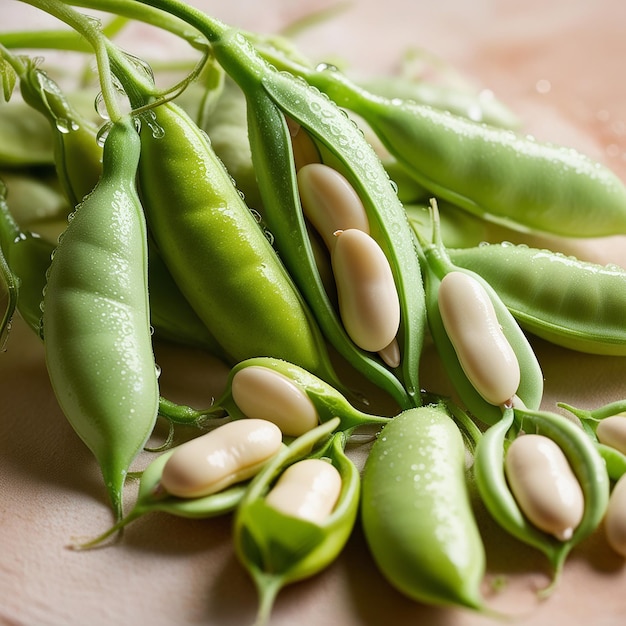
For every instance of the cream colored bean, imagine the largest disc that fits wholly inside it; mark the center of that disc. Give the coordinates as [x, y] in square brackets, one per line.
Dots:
[615, 518]
[544, 485]
[484, 353]
[307, 489]
[368, 300]
[229, 454]
[330, 202]
[262, 393]
[611, 431]
[304, 149]
[391, 354]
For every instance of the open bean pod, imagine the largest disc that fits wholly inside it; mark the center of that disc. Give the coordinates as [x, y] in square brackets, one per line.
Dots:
[272, 97]
[278, 548]
[501, 332]
[296, 400]
[584, 459]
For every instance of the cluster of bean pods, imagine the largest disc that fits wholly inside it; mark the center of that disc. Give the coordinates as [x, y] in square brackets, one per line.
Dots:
[299, 226]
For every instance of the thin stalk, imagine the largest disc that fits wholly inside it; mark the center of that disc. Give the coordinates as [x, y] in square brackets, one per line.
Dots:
[88, 29]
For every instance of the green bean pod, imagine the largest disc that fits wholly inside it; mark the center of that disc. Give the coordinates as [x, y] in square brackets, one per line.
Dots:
[436, 265]
[152, 498]
[587, 464]
[498, 174]
[273, 97]
[416, 510]
[328, 403]
[571, 303]
[77, 152]
[278, 549]
[215, 250]
[96, 318]
[27, 258]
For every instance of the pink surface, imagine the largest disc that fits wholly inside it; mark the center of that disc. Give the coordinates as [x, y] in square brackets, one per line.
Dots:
[170, 571]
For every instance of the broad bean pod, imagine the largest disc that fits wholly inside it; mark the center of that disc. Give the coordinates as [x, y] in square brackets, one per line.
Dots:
[212, 245]
[416, 510]
[271, 97]
[327, 402]
[278, 549]
[96, 318]
[586, 462]
[571, 303]
[498, 174]
[151, 498]
[436, 265]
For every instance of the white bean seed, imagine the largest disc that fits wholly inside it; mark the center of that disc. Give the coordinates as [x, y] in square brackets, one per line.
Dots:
[330, 202]
[368, 300]
[229, 454]
[615, 518]
[544, 485]
[484, 353]
[611, 431]
[262, 393]
[308, 489]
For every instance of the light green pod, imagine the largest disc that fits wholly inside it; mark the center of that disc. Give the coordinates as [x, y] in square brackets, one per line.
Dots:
[416, 510]
[96, 318]
[572, 303]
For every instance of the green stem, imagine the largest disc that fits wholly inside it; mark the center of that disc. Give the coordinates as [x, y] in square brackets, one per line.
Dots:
[88, 29]
[64, 40]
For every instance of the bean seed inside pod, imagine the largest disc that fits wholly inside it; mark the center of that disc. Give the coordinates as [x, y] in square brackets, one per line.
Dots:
[308, 489]
[229, 454]
[368, 300]
[470, 320]
[615, 518]
[611, 431]
[330, 202]
[263, 393]
[544, 485]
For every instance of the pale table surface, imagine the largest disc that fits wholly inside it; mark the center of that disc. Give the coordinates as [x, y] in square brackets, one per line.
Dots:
[559, 66]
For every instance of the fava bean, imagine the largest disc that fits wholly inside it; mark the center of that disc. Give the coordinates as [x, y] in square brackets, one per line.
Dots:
[227, 455]
[584, 459]
[615, 518]
[278, 548]
[470, 320]
[437, 265]
[308, 490]
[544, 485]
[330, 202]
[611, 431]
[288, 395]
[368, 299]
[264, 393]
